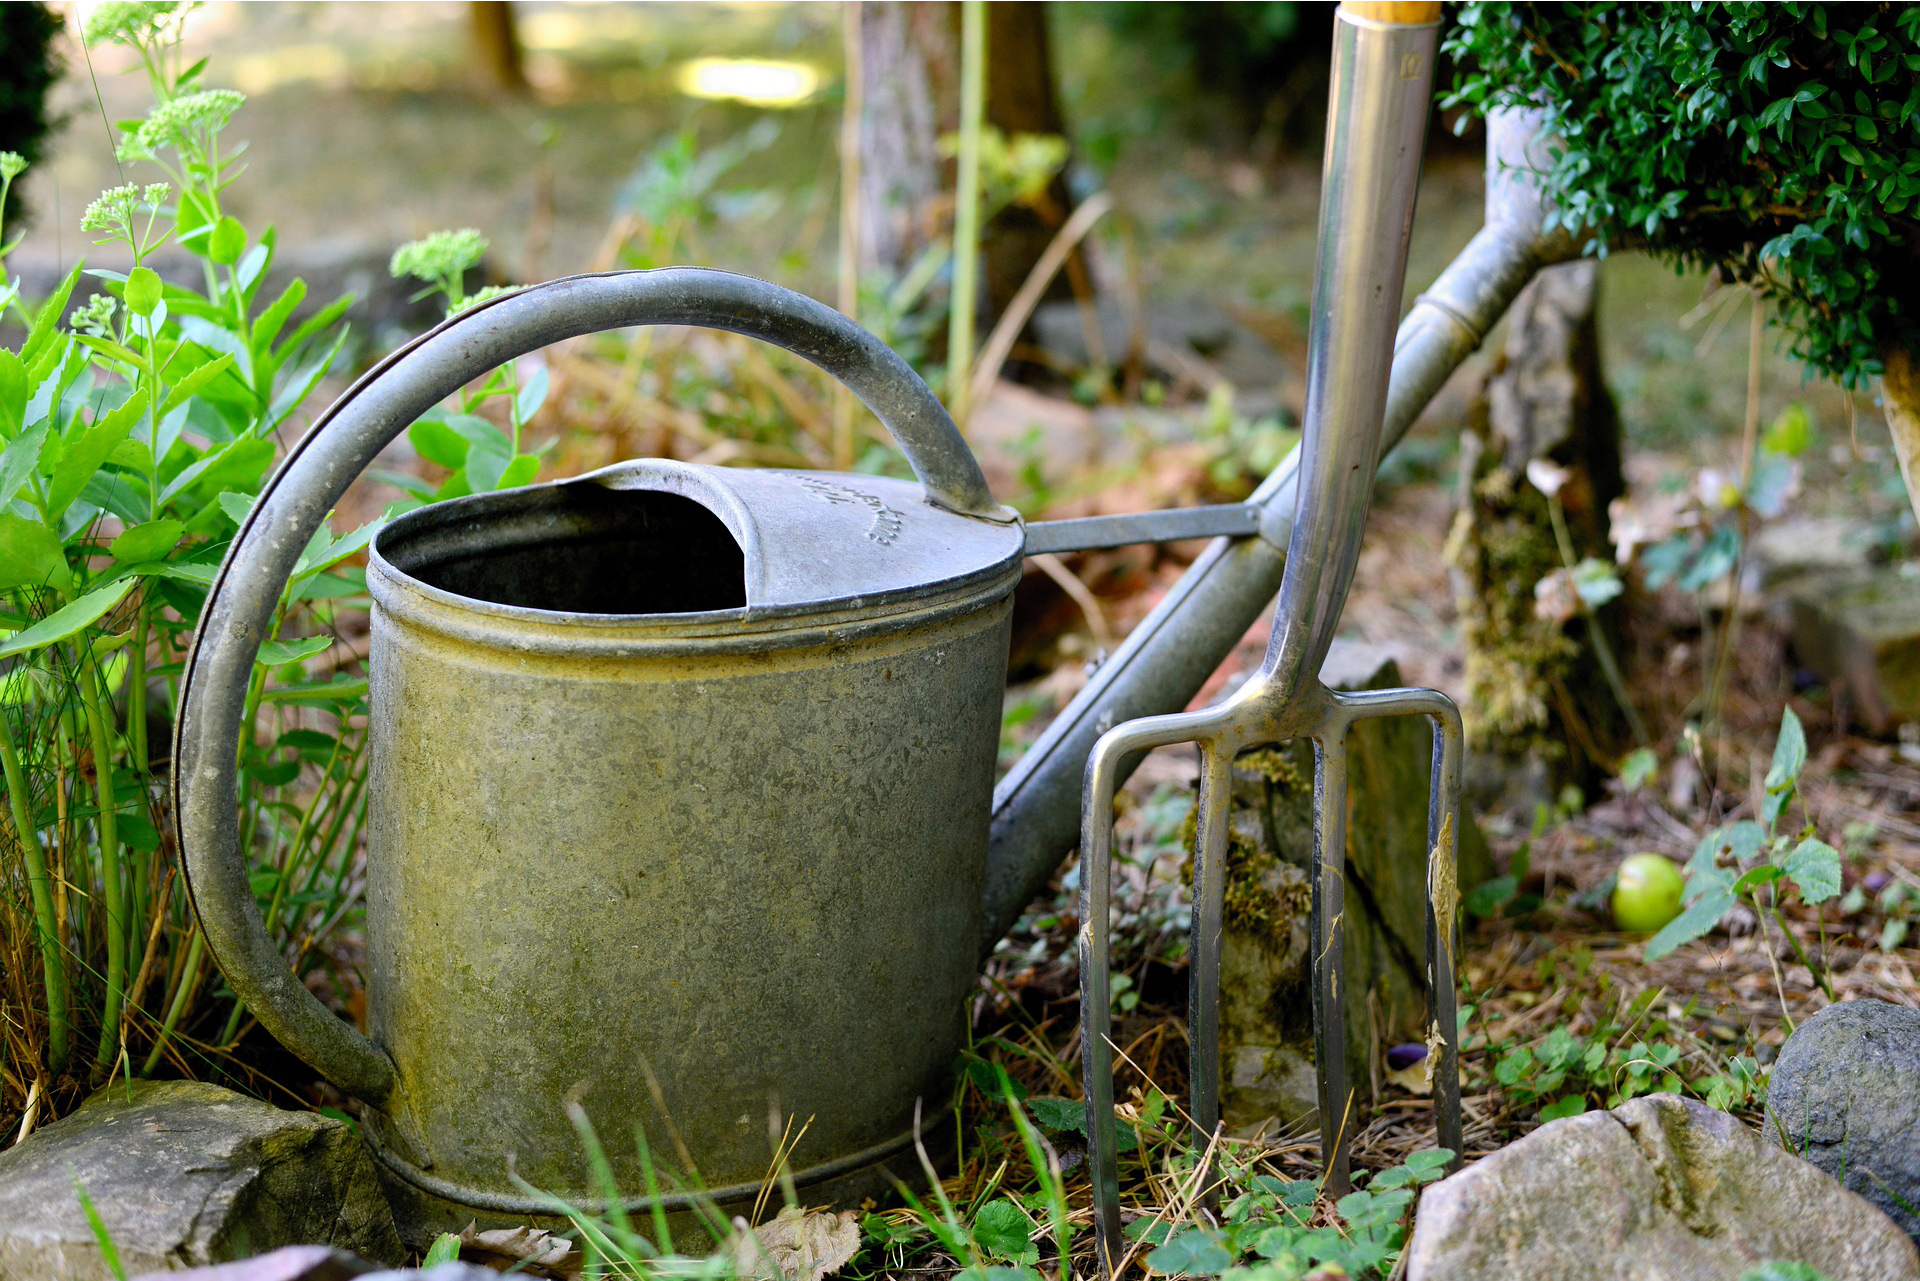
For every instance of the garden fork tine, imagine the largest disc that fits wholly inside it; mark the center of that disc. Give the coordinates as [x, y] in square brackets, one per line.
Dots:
[1377, 117]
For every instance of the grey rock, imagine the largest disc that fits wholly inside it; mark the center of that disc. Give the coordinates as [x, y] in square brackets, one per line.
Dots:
[1800, 544]
[1845, 1095]
[1860, 629]
[289, 1263]
[185, 1174]
[1266, 1020]
[1659, 1189]
[321, 1263]
[1184, 338]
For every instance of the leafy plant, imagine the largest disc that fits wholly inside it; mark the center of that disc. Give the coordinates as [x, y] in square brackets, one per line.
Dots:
[1274, 1220]
[1778, 144]
[1753, 859]
[134, 434]
[480, 455]
[1602, 1053]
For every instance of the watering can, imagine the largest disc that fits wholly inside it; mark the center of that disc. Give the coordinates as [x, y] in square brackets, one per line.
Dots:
[681, 776]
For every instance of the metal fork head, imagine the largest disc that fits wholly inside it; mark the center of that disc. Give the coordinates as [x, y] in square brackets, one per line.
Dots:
[1254, 718]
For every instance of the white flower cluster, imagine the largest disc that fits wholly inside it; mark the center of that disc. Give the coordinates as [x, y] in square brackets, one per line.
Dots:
[113, 210]
[187, 122]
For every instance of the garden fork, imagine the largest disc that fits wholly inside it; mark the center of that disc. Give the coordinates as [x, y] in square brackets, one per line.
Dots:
[1377, 120]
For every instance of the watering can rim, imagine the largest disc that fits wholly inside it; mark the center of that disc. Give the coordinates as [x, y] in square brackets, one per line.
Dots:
[857, 579]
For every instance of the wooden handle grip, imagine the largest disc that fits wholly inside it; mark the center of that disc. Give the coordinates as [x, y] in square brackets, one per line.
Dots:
[1398, 12]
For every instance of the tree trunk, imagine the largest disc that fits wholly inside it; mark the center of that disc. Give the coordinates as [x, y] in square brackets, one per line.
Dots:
[909, 96]
[1535, 691]
[1021, 99]
[909, 69]
[496, 45]
[1900, 389]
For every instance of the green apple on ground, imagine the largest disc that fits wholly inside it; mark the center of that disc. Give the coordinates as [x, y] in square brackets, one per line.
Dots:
[1646, 893]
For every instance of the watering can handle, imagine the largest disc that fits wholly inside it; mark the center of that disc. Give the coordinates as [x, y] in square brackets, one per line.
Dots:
[317, 471]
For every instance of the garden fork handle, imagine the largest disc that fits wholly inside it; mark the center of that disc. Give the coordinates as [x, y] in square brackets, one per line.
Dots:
[1377, 116]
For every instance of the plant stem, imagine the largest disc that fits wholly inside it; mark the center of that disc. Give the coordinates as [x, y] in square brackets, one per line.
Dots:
[1602, 648]
[46, 922]
[966, 212]
[107, 824]
[849, 274]
[189, 979]
[1819, 973]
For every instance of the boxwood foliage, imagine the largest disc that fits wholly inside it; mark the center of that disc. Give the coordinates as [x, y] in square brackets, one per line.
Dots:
[1779, 143]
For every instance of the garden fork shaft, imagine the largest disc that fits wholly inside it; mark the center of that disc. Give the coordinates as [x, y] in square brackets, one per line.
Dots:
[1377, 119]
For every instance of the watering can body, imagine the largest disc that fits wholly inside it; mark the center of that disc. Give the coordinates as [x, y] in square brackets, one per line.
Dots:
[679, 790]
[679, 807]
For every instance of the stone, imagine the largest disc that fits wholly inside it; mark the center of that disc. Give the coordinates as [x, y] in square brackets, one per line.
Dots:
[184, 1173]
[1845, 1095]
[1266, 1004]
[1659, 1189]
[289, 1263]
[323, 1263]
[1796, 545]
[1021, 435]
[1192, 339]
[1860, 629]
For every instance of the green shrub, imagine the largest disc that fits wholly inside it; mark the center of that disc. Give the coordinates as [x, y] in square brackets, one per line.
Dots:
[1776, 143]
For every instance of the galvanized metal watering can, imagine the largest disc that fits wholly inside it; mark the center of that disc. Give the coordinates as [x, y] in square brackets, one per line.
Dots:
[683, 776]
[681, 779]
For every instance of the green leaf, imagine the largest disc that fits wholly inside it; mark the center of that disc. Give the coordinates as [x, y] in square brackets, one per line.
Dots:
[1754, 877]
[1059, 1115]
[1596, 581]
[439, 443]
[46, 322]
[235, 505]
[62, 623]
[13, 393]
[149, 541]
[1003, 1231]
[275, 652]
[143, 290]
[30, 554]
[1690, 924]
[1789, 757]
[1192, 1251]
[238, 466]
[527, 403]
[20, 460]
[1790, 432]
[446, 1246]
[87, 454]
[338, 689]
[1638, 769]
[1783, 1270]
[190, 384]
[1814, 866]
[228, 241]
[521, 471]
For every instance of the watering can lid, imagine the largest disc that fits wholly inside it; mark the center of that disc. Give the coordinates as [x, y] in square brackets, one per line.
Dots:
[811, 538]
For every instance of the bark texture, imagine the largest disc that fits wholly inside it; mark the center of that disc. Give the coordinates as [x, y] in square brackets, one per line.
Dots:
[1534, 689]
[1900, 390]
[910, 97]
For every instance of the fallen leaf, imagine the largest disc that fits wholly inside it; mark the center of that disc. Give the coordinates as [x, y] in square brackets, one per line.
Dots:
[536, 1251]
[799, 1245]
